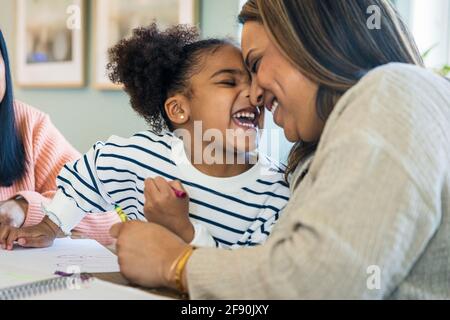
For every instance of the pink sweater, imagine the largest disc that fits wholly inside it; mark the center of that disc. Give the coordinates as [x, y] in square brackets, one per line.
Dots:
[47, 152]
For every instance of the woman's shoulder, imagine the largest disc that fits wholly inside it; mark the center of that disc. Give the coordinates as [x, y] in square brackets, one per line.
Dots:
[34, 124]
[399, 80]
[396, 68]
[26, 114]
[398, 107]
[395, 89]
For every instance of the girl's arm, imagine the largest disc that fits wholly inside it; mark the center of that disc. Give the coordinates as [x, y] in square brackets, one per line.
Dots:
[80, 192]
[50, 151]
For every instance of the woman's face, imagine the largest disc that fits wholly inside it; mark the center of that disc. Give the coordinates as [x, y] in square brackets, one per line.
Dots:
[280, 86]
[2, 78]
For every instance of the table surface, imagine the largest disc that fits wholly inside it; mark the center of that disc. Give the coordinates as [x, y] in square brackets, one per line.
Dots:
[117, 278]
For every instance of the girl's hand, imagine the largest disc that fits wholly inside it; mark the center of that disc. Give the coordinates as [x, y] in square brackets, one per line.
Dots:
[13, 212]
[39, 236]
[163, 207]
[146, 253]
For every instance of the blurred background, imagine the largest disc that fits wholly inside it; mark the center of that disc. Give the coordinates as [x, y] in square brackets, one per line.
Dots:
[86, 115]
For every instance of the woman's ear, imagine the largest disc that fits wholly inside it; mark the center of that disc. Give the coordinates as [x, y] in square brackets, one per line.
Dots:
[178, 109]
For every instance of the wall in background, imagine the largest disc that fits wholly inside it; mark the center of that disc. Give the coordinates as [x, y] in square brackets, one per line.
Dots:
[429, 21]
[87, 115]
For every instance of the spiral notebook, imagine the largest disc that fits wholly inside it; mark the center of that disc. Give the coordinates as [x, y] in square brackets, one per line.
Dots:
[75, 288]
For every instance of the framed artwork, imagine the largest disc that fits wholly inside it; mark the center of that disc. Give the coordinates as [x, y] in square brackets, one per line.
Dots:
[115, 19]
[50, 43]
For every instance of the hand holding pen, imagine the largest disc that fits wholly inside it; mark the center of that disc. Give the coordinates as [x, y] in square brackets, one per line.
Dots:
[179, 194]
[167, 204]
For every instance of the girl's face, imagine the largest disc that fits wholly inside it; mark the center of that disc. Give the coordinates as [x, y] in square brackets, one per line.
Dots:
[2, 78]
[279, 85]
[221, 101]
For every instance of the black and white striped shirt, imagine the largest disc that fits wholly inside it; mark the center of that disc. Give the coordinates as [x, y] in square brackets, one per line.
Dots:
[226, 212]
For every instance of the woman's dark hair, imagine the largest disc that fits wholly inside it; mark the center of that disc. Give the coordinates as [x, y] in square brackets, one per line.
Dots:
[12, 153]
[154, 65]
[330, 42]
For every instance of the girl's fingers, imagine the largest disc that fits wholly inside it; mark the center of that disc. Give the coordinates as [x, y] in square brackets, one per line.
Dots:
[150, 188]
[177, 185]
[115, 230]
[11, 238]
[78, 235]
[178, 189]
[162, 185]
[32, 237]
[30, 232]
[36, 242]
[4, 232]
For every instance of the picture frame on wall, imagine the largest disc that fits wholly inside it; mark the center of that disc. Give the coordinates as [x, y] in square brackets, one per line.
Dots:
[50, 37]
[114, 20]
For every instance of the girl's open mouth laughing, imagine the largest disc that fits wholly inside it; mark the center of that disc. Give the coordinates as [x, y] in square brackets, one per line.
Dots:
[247, 118]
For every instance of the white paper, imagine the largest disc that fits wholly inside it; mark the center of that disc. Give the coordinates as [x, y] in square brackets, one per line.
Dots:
[66, 255]
[13, 275]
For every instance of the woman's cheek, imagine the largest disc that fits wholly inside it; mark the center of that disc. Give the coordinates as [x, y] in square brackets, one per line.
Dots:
[291, 131]
[292, 122]
[2, 80]
[287, 123]
[2, 89]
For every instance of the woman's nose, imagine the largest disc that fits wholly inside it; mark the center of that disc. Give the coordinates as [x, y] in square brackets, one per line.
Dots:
[256, 94]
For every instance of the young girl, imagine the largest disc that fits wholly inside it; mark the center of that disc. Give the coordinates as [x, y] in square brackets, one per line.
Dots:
[195, 96]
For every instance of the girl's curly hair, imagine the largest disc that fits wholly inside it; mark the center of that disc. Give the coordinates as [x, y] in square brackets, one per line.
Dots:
[154, 65]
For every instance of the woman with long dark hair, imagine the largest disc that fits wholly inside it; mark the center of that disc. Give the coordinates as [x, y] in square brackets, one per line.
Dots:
[369, 215]
[32, 152]
[12, 161]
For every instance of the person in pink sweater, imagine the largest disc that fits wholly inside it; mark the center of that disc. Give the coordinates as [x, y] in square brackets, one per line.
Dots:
[32, 153]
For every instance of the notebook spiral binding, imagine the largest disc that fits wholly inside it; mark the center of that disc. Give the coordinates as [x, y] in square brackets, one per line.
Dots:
[42, 287]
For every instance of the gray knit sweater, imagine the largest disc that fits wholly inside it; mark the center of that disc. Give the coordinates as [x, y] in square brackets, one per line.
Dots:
[371, 219]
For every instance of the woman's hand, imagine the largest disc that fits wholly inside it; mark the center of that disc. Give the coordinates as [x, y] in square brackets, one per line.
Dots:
[146, 253]
[13, 212]
[39, 236]
[163, 207]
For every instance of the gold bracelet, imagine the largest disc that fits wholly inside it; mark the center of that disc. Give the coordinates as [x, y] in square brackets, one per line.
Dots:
[178, 268]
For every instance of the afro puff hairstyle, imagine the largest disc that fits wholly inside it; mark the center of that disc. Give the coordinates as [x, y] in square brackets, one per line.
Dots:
[154, 65]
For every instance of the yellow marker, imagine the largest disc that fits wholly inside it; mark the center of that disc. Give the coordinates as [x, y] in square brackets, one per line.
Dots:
[122, 215]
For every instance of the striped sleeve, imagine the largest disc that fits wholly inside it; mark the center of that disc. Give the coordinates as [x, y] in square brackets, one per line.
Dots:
[260, 230]
[79, 192]
[256, 234]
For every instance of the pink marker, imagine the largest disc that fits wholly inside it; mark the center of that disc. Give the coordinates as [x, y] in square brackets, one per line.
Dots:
[179, 194]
